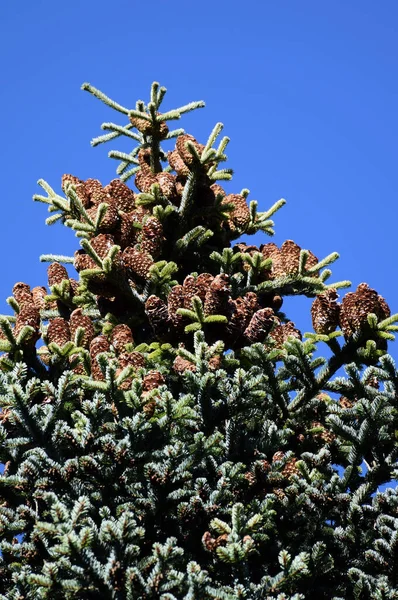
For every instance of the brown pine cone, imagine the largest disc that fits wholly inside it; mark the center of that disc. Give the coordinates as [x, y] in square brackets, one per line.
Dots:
[243, 310]
[311, 262]
[137, 261]
[126, 234]
[181, 364]
[177, 164]
[325, 435]
[281, 333]
[325, 312]
[98, 345]
[215, 362]
[272, 251]
[134, 359]
[239, 217]
[218, 296]
[78, 319]
[56, 274]
[69, 180]
[102, 243]
[158, 316]
[38, 295]
[152, 236]
[291, 254]
[183, 151]
[356, 307]
[120, 336]
[123, 197]
[93, 187]
[22, 294]
[175, 300]
[260, 325]
[278, 456]
[147, 127]
[58, 331]
[110, 220]
[290, 468]
[167, 184]
[217, 190]
[196, 286]
[28, 315]
[144, 180]
[83, 261]
[152, 380]
[345, 402]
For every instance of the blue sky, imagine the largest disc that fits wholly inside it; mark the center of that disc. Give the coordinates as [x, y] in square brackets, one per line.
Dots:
[307, 90]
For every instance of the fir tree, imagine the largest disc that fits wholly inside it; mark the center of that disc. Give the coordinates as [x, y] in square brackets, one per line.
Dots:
[166, 431]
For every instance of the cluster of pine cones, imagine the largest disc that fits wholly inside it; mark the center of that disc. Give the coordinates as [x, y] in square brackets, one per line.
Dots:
[351, 315]
[285, 260]
[249, 318]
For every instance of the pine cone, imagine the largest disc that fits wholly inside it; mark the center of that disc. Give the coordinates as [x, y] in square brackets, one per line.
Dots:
[272, 251]
[126, 234]
[28, 315]
[290, 468]
[239, 217]
[137, 261]
[109, 221]
[22, 294]
[345, 402]
[243, 310]
[196, 286]
[177, 164]
[120, 336]
[123, 197]
[38, 295]
[94, 190]
[78, 319]
[83, 261]
[180, 365]
[58, 331]
[218, 296]
[152, 236]
[325, 312]
[215, 362]
[291, 254]
[175, 300]
[134, 359]
[102, 243]
[56, 274]
[152, 380]
[325, 435]
[167, 184]
[217, 190]
[181, 146]
[311, 262]
[281, 333]
[69, 180]
[278, 456]
[144, 180]
[98, 345]
[356, 307]
[159, 129]
[158, 316]
[260, 325]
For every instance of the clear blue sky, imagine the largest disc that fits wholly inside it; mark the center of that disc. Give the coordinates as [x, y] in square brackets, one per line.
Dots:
[307, 90]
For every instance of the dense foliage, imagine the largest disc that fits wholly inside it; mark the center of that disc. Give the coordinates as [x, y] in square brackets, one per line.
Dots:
[165, 430]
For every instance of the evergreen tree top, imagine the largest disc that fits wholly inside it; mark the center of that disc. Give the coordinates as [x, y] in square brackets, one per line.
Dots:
[166, 431]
